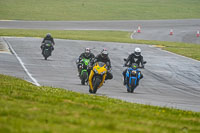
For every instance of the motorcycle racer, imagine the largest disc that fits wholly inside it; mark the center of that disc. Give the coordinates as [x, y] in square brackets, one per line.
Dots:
[86, 55]
[48, 37]
[103, 57]
[135, 57]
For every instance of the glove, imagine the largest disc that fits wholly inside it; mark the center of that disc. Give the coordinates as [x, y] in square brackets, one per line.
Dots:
[90, 66]
[109, 71]
[125, 65]
[77, 61]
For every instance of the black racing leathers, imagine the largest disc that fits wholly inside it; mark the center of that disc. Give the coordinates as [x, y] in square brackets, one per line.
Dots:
[99, 58]
[50, 39]
[132, 58]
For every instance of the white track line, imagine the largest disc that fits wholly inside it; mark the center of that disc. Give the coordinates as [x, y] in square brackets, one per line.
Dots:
[132, 34]
[22, 64]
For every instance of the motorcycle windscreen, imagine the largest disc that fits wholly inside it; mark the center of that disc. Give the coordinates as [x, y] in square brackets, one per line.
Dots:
[101, 64]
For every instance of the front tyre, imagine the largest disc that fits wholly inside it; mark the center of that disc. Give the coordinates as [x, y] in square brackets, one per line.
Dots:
[96, 83]
[133, 85]
[84, 77]
[90, 90]
[46, 53]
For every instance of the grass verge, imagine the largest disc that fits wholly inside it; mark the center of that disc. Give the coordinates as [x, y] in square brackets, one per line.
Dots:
[28, 108]
[98, 9]
[185, 49]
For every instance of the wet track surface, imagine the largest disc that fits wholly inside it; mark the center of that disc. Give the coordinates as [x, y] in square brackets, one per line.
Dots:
[169, 80]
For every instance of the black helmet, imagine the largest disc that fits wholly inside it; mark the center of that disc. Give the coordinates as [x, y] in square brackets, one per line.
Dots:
[104, 53]
[48, 35]
[87, 52]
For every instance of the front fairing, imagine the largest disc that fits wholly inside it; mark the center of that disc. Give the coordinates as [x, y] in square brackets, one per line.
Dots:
[99, 70]
[85, 63]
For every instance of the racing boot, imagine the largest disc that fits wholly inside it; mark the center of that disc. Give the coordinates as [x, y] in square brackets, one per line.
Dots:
[124, 81]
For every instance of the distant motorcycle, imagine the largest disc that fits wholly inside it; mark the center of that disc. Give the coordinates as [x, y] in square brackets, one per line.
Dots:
[133, 75]
[46, 49]
[97, 76]
[84, 70]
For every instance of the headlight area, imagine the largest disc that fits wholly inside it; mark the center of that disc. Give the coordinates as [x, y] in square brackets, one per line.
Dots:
[95, 70]
[102, 73]
[133, 73]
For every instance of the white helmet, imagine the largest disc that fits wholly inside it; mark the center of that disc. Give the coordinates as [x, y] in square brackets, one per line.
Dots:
[137, 51]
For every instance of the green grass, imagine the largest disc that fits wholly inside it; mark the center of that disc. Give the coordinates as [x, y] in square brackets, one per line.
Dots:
[185, 49]
[98, 9]
[25, 108]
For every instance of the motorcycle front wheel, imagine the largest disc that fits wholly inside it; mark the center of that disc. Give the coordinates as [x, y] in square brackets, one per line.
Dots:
[46, 54]
[133, 85]
[96, 83]
[84, 77]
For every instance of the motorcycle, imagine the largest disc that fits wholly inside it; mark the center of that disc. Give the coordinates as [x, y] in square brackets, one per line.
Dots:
[84, 70]
[47, 49]
[133, 75]
[97, 76]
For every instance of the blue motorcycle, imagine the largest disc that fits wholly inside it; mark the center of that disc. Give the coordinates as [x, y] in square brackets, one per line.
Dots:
[133, 75]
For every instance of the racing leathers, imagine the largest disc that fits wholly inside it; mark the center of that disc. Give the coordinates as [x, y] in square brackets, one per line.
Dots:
[133, 58]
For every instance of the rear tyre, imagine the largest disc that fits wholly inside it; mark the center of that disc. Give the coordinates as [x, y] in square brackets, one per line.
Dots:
[83, 82]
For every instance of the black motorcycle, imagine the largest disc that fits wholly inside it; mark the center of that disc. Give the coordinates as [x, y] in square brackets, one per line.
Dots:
[47, 49]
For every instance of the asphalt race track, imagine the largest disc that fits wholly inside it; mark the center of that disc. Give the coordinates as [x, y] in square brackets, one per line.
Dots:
[169, 80]
[183, 30]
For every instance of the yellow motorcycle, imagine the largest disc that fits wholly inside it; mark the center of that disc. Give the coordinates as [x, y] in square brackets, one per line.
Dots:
[97, 76]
